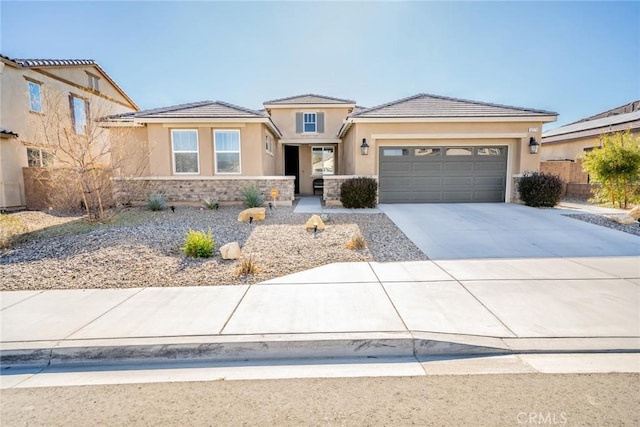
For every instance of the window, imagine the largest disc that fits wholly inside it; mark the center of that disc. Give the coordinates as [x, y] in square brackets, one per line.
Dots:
[268, 144]
[395, 152]
[93, 82]
[459, 151]
[79, 109]
[184, 144]
[490, 151]
[309, 122]
[38, 158]
[227, 150]
[427, 152]
[35, 103]
[322, 161]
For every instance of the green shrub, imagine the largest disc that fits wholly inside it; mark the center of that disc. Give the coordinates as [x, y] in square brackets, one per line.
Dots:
[540, 189]
[251, 197]
[11, 228]
[198, 244]
[156, 202]
[359, 193]
[616, 166]
[211, 203]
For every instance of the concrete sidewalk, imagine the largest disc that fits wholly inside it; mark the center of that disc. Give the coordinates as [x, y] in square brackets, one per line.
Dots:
[426, 308]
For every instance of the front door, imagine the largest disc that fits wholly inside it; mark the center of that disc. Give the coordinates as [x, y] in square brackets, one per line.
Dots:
[292, 164]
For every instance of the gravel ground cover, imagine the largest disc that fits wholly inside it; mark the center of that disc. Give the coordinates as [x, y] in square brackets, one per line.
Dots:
[607, 222]
[142, 248]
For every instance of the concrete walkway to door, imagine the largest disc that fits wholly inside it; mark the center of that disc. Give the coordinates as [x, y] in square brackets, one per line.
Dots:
[495, 230]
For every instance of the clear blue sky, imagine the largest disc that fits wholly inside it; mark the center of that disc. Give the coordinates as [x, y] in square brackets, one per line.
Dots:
[576, 58]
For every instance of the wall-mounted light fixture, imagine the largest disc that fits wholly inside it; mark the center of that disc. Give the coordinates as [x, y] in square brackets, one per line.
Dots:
[364, 148]
[534, 146]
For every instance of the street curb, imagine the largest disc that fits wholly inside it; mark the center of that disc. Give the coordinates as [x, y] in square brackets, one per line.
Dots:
[294, 346]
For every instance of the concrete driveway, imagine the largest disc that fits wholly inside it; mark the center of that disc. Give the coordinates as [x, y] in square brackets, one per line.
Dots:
[497, 230]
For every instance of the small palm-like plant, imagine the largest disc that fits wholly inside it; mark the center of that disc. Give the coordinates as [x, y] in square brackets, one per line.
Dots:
[211, 203]
[251, 197]
[156, 202]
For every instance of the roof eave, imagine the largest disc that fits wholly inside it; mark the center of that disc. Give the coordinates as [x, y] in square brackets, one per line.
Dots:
[310, 105]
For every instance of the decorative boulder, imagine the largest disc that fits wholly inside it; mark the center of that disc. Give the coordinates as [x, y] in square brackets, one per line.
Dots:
[635, 213]
[258, 214]
[230, 251]
[623, 219]
[315, 219]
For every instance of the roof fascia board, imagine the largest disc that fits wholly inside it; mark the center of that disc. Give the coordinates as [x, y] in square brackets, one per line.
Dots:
[492, 135]
[300, 106]
[311, 141]
[535, 119]
[201, 120]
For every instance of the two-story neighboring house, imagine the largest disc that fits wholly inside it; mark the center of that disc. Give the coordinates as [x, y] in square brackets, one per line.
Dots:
[424, 148]
[40, 99]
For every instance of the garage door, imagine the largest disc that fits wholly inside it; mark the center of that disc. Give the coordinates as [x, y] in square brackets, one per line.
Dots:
[442, 174]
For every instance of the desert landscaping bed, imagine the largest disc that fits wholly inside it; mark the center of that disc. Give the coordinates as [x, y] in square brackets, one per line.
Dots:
[142, 248]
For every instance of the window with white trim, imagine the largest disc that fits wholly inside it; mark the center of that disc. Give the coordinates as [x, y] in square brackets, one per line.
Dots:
[227, 151]
[268, 144]
[309, 123]
[184, 145]
[322, 160]
[35, 102]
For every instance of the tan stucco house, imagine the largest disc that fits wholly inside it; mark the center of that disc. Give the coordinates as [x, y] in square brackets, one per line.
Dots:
[562, 148]
[59, 92]
[424, 148]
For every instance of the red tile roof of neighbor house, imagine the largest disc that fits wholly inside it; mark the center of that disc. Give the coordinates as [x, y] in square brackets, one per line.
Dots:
[44, 63]
[427, 105]
[309, 98]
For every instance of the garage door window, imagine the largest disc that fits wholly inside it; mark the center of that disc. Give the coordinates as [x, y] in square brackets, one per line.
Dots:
[490, 151]
[395, 152]
[459, 151]
[427, 152]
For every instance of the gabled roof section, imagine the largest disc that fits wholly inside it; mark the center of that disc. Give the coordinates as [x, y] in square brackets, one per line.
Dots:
[427, 105]
[198, 111]
[619, 122]
[309, 98]
[45, 63]
[201, 110]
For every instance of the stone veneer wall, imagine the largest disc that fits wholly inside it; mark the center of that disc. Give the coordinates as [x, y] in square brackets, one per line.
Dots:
[193, 190]
[332, 183]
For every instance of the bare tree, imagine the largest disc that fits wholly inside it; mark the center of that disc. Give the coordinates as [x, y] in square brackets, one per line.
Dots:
[72, 130]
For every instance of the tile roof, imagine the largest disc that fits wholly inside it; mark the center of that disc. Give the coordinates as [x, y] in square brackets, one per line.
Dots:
[594, 127]
[30, 63]
[7, 132]
[427, 105]
[202, 109]
[40, 63]
[309, 98]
